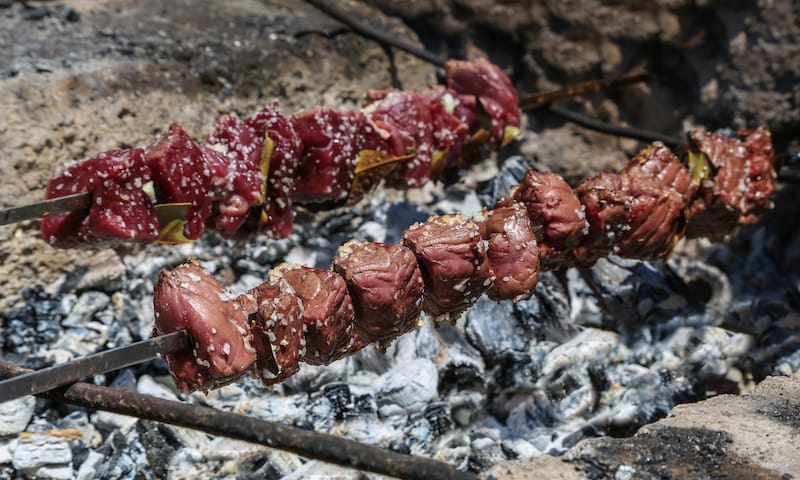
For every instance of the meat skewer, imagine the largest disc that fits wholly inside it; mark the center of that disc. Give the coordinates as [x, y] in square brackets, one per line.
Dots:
[245, 176]
[375, 292]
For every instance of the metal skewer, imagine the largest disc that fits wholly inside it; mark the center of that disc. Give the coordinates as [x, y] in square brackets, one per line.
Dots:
[39, 381]
[34, 211]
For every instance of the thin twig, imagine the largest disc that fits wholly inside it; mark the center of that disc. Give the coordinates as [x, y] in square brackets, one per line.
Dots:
[306, 443]
[535, 100]
[616, 130]
[378, 35]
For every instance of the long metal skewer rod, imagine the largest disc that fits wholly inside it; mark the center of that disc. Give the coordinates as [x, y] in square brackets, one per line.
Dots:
[78, 201]
[38, 381]
[320, 446]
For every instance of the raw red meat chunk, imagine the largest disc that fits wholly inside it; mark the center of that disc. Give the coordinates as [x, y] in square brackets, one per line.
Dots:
[120, 208]
[222, 349]
[283, 161]
[241, 187]
[402, 121]
[495, 93]
[721, 198]
[453, 119]
[184, 171]
[452, 256]
[386, 287]
[331, 141]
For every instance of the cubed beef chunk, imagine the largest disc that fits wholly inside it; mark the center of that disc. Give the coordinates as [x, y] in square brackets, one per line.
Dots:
[222, 349]
[284, 156]
[328, 313]
[278, 330]
[240, 189]
[556, 215]
[331, 141]
[495, 93]
[386, 287]
[656, 161]
[633, 217]
[721, 197]
[184, 171]
[512, 252]
[452, 256]
[120, 207]
[761, 182]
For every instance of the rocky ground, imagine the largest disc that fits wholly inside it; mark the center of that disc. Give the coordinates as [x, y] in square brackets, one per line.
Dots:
[78, 77]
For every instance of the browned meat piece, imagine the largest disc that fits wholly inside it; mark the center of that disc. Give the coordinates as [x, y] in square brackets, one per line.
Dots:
[495, 93]
[512, 252]
[721, 198]
[657, 161]
[278, 330]
[452, 257]
[633, 217]
[222, 349]
[656, 221]
[553, 206]
[327, 311]
[606, 199]
[120, 207]
[761, 183]
[386, 287]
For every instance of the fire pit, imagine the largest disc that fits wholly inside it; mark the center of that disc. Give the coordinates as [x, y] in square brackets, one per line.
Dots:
[593, 352]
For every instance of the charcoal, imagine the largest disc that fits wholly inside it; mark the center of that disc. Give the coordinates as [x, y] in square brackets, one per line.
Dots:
[485, 452]
[438, 416]
[159, 444]
[492, 328]
[33, 325]
[89, 303]
[511, 173]
[338, 398]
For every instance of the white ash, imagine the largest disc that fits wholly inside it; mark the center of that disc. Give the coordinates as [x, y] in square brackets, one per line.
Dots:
[509, 380]
[15, 415]
[90, 466]
[43, 456]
